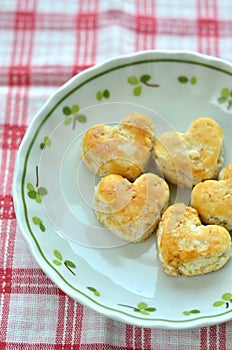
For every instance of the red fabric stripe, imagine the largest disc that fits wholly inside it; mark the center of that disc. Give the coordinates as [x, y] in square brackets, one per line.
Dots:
[94, 35]
[77, 326]
[25, 346]
[62, 326]
[146, 25]
[5, 300]
[222, 329]
[90, 47]
[61, 321]
[18, 75]
[7, 250]
[18, 114]
[199, 25]
[55, 75]
[208, 32]
[138, 36]
[86, 24]
[13, 135]
[24, 25]
[36, 282]
[138, 338]
[8, 159]
[147, 334]
[15, 37]
[129, 336]
[67, 332]
[75, 315]
[204, 342]
[69, 322]
[95, 20]
[30, 20]
[23, 103]
[213, 337]
[105, 346]
[9, 100]
[6, 207]
[6, 178]
[216, 51]
[24, 20]
[5, 280]
[14, 117]
[31, 37]
[87, 20]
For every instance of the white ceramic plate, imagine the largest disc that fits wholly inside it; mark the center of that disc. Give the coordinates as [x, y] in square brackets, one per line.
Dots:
[53, 189]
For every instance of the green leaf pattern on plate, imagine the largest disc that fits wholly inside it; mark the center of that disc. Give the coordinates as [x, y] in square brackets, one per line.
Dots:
[58, 261]
[94, 291]
[36, 194]
[191, 312]
[37, 221]
[102, 94]
[226, 299]
[184, 80]
[46, 142]
[72, 115]
[225, 97]
[141, 307]
[137, 82]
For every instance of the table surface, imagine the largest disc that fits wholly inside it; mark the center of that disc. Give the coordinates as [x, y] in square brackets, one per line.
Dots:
[42, 45]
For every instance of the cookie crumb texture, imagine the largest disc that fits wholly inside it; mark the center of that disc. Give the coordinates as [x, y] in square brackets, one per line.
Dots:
[123, 149]
[186, 159]
[131, 211]
[213, 199]
[188, 248]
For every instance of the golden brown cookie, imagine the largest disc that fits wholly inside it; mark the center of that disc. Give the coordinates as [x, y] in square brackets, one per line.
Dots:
[131, 210]
[186, 247]
[123, 149]
[213, 199]
[185, 159]
[226, 173]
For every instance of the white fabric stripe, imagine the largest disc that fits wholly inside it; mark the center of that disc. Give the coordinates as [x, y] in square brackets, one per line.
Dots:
[66, 304]
[74, 324]
[6, 177]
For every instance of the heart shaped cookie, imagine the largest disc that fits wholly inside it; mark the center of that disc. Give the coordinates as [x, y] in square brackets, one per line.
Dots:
[186, 247]
[213, 199]
[123, 149]
[131, 210]
[185, 159]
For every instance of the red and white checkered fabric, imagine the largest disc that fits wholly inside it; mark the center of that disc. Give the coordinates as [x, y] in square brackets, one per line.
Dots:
[43, 44]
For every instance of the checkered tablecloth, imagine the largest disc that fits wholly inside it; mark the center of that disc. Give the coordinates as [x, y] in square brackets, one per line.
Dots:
[42, 44]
